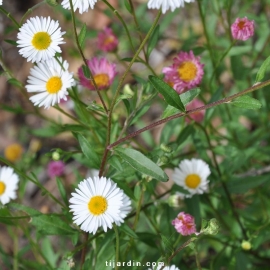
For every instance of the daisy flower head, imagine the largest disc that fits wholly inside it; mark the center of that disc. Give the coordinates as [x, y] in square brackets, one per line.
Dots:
[1, 2]
[192, 176]
[160, 265]
[82, 5]
[51, 80]
[39, 38]
[55, 168]
[167, 4]
[98, 202]
[13, 152]
[184, 224]
[103, 72]
[185, 73]
[8, 184]
[197, 116]
[107, 40]
[242, 29]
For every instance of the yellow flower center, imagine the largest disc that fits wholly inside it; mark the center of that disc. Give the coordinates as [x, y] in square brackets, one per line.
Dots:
[41, 41]
[108, 40]
[13, 152]
[193, 180]
[97, 205]
[101, 80]
[2, 187]
[241, 24]
[187, 71]
[54, 85]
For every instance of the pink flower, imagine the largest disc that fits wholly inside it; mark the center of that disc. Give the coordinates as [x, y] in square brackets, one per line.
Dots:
[197, 116]
[107, 40]
[185, 73]
[242, 29]
[103, 72]
[184, 224]
[55, 168]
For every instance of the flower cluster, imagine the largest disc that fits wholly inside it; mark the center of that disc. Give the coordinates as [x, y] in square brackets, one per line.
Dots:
[184, 224]
[185, 73]
[39, 39]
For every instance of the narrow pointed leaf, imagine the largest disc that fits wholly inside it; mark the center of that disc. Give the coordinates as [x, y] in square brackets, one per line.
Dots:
[247, 102]
[262, 70]
[89, 150]
[189, 95]
[153, 41]
[141, 163]
[169, 94]
[81, 36]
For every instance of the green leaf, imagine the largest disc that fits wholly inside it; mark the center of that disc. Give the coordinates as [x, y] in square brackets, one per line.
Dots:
[243, 184]
[247, 102]
[262, 70]
[62, 190]
[46, 224]
[141, 163]
[170, 110]
[129, 59]
[169, 94]
[46, 132]
[185, 133]
[121, 97]
[5, 217]
[128, 7]
[15, 82]
[89, 150]
[86, 71]
[74, 128]
[153, 40]
[127, 230]
[189, 95]
[81, 36]
[12, 42]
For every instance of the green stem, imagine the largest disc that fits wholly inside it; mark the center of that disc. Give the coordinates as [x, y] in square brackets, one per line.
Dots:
[181, 114]
[15, 249]
[10, 17]
[197, 258]
[119, 88]
[83, 57]
[209, 47]
[122, 21]
[117, 245]
[222, 180]
[31, 10]
[220, 60]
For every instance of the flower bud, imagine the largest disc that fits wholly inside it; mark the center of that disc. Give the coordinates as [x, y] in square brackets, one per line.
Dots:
[246, 245]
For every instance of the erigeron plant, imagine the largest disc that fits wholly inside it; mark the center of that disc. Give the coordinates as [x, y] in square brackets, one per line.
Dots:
[122, 210]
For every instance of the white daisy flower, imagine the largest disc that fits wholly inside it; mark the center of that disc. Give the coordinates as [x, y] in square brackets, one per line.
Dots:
[192, 176]
[159, 266]
[39, 38]
[98, 202]
[8, 184]
[51, 81]
[82, 5]
[1, 2]
[167, 4]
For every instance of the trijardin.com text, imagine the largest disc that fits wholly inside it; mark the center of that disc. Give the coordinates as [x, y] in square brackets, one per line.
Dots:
[132, 263]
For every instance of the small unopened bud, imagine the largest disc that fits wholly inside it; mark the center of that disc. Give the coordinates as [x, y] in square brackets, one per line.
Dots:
[55, 156]
[246, 245]
[174, 201]
[127, 90]
[52, 3]
[165, 148]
